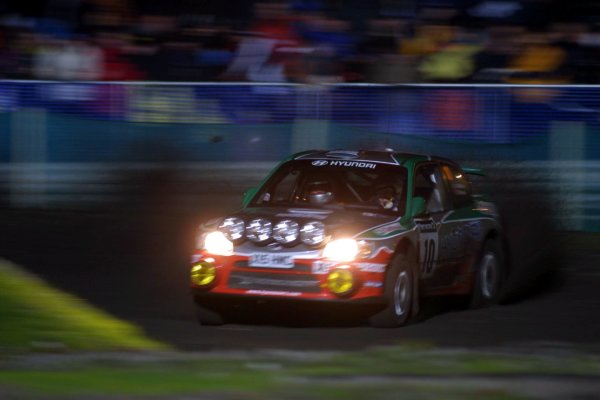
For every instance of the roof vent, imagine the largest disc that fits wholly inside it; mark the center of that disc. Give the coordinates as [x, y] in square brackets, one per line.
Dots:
[347, 154]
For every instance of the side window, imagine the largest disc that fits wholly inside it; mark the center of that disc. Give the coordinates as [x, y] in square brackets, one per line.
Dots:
[283, 190]
[458, 184]
[429, 184]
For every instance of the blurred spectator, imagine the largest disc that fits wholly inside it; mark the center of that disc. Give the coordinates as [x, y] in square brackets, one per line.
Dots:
[332, 45]
[582, 51]
[45, 56]
[116, 64]
[175, 60]
[491, 63]
[215, 52]
[314, 41]
[75, 59]
[269, 50]
[453, 62]
[539, 60]
[24, 46]
[79, 60]
[8, 56]
[380, 53]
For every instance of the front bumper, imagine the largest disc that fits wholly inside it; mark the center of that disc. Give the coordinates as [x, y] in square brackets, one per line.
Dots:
[307, 280]
[202, 297]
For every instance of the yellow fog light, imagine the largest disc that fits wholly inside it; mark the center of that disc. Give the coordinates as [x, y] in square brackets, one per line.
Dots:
[203, 273]
[340, 281]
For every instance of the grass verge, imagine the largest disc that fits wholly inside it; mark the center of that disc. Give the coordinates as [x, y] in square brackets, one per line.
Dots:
[415, 371]
[35, 316]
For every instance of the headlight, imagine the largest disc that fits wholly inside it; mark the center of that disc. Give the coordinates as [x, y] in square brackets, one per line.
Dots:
[313, 233]
[259, 230]
[286, 231]
[342, 250]
[216, 243]
[233, 228]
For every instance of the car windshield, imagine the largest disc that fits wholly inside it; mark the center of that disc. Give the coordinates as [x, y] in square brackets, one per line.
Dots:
[334, 183]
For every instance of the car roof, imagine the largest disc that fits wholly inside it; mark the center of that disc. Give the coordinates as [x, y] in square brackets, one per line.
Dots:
[375, 156]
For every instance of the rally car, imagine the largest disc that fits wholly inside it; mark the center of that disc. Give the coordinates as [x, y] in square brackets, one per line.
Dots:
[380, 228]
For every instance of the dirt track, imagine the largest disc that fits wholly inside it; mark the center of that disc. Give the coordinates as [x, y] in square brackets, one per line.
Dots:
[134, 265]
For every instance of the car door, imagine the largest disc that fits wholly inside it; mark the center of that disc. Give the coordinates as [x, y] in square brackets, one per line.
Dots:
[429, 184]
[460, 223]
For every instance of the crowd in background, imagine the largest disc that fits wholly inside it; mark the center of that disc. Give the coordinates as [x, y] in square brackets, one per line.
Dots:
[301, 41]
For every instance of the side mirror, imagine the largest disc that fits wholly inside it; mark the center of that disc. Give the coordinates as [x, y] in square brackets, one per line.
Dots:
[418, 206]
[248, 195]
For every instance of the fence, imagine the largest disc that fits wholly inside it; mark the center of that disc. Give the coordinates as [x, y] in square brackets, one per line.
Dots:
[69, 143]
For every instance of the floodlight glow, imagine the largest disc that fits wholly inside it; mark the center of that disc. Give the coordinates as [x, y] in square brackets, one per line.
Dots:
[233, 228]
[286, 231]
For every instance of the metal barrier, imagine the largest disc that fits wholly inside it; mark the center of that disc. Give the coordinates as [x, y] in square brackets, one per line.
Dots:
[81, 116]
[73, 144]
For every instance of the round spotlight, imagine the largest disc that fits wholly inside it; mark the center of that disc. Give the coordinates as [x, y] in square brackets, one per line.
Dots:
[233, 228]
[313, 233]
[286, 231]
[259, 230]
[203, 273]
[340, 281]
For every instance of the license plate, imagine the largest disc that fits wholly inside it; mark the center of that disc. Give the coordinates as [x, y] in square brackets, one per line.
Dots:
[271, 260]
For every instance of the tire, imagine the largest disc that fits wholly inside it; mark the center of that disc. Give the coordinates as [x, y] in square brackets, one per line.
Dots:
[489, 275]
[400, 294]
[207, 317]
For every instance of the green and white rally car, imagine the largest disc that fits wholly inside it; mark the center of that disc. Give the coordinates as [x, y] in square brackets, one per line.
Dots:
[376, 228]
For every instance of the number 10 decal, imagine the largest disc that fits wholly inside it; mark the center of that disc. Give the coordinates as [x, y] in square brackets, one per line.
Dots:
[428, 253]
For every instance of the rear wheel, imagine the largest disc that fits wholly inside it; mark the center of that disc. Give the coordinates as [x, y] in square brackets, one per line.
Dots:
[399, 292]
[489, 275]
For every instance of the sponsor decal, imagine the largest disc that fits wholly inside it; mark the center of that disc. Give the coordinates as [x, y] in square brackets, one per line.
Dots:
[196, 258]
[429, 227]
[383, 249]
[322, 267]
[428, 247]
[386, 229]
[273, 293]
[371, 267]
[373, 284]
[358, 164]
[344, 163]
[372, 235]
